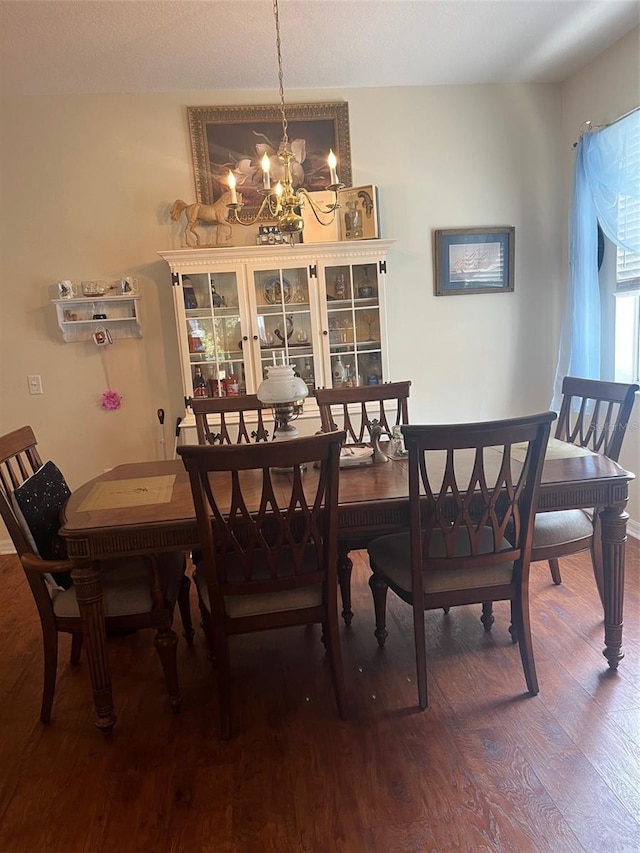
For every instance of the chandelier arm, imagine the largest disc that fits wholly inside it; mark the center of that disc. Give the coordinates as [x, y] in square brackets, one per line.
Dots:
[318, 209]
[234, 208]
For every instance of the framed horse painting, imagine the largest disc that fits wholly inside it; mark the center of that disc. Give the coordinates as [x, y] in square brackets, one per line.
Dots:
[235, 138]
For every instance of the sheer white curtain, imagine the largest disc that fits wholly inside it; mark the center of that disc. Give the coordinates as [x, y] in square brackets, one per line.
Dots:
[606, 187]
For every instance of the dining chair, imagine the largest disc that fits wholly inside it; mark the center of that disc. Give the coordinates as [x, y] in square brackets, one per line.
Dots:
[472, 507]
[593, 414]
[229, 419]
[269, 545]
[355, 410]
[138, 593]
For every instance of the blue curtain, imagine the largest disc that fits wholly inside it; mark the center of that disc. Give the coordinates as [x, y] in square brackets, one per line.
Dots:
[606, 177]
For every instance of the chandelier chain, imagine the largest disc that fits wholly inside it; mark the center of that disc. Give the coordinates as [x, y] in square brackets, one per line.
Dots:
[285, 124]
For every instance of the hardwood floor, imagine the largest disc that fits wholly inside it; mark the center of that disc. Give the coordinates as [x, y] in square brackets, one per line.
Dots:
[484, 768]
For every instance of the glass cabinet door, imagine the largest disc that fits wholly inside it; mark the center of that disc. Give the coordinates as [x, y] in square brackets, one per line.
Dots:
[286, 325]
[354, 324]
[214, 334]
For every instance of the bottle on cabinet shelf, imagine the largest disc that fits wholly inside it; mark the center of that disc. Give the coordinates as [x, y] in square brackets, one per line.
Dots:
[231, 388]
[307, 374]
[216, 386]
[199, 384]
[338, 373]
[374, 375]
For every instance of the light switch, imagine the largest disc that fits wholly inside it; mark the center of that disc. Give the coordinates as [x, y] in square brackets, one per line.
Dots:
[35, 384]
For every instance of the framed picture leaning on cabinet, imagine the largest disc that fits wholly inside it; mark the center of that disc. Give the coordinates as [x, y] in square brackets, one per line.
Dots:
[473, 260]
[358, 213]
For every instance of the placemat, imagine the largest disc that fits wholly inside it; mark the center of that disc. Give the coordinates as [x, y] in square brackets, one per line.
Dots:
[140, 491]
[556, 449]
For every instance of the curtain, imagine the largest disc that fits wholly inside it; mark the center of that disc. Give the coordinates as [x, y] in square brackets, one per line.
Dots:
[606, 184]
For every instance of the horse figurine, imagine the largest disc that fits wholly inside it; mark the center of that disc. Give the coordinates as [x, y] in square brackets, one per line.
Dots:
[206, 214]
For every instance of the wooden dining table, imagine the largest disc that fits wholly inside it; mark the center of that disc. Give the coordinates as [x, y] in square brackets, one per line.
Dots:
[146, 507]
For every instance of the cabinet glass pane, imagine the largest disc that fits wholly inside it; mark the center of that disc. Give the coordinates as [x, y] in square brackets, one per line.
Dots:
[353, 311]
[214, 334]
[284, 320]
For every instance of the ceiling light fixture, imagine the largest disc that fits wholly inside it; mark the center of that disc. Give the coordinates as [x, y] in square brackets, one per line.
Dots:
[284, 202]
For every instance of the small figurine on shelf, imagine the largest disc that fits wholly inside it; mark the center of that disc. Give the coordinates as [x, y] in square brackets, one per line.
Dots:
[188, 293]
[374, 376]
[216, 300]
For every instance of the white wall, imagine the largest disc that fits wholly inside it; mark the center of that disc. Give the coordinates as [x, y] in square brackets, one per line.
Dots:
[602, 91]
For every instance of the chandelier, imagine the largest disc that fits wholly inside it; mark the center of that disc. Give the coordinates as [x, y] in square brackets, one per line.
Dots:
[282, 202]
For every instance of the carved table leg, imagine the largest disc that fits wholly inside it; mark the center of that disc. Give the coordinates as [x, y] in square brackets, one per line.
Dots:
[86, 580]
[344, 579]
[614, 536]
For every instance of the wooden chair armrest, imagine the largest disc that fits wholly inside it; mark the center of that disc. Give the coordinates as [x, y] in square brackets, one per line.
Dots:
[37, 564]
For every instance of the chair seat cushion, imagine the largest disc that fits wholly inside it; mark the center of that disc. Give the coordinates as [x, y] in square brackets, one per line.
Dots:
[391, 556]
[126, 586]
[562, 527]
[253, 605]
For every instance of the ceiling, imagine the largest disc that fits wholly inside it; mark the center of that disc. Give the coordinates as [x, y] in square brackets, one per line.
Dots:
[131, 46]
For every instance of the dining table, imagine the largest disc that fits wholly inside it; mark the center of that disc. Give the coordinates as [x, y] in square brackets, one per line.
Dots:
[147, 507]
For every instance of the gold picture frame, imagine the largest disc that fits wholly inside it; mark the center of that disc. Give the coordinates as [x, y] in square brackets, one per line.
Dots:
[358, 213]
[224, 138]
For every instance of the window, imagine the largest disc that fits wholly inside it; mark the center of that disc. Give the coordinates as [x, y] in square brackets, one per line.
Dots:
[627, 280]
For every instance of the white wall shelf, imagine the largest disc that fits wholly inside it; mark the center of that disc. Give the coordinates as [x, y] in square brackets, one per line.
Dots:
[77, 323]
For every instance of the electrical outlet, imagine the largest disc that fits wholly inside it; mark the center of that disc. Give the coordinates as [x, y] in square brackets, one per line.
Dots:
[35, 384]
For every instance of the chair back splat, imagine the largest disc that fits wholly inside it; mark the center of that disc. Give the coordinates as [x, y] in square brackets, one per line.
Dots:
[473, 494]
[604, 409]
[268, 543]
[226, 420]
[386, 404]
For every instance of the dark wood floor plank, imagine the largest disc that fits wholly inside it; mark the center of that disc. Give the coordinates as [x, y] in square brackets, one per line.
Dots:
[483, 769]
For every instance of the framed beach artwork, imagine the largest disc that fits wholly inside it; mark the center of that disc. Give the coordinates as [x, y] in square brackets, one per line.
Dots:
[236, 138]
[473, 260]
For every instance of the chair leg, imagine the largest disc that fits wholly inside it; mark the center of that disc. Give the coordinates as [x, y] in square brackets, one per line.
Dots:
[487, 617]
[345, 566]
[166, 643]
[512, 627]
[421, 655]
[221, 648]
[379, 591]
[184, 604]
[554, 565]
[50, 649]
[76, 648]
[523, 627]
[332, 644]
[205, 624]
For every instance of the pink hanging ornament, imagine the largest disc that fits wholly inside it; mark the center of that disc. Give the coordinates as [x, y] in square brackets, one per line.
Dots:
[111, 400]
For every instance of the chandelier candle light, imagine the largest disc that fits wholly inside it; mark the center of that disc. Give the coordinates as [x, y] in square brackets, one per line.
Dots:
[283, 202]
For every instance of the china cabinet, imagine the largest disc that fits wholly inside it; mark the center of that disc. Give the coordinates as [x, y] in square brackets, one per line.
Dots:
[318, 306]
[79, 318]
